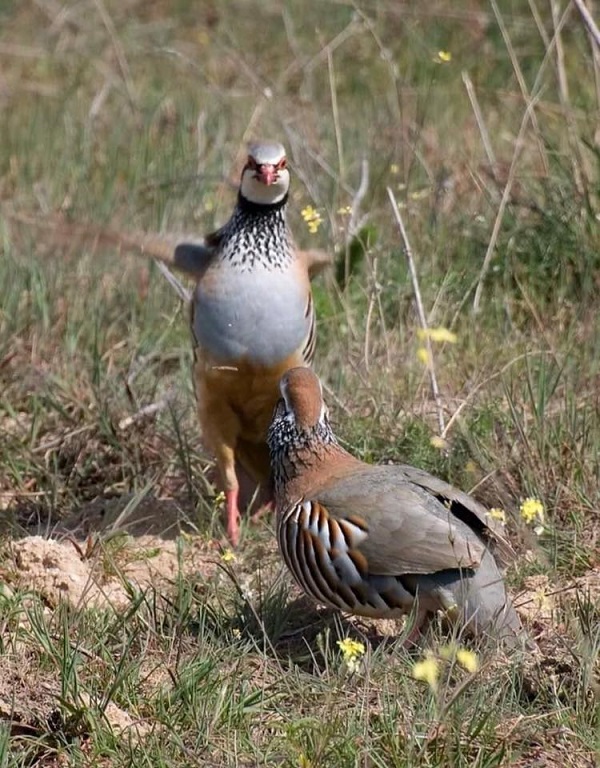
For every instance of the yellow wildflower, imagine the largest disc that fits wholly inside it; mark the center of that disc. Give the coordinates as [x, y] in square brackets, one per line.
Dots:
[419, 194]
[346, 210]
[532, 510]
[352, 651]
[439, 335]
[423, 356]
[219, 498]
[446, 652]
[443, 57]
[427, 670]
[495, 513]
[541, 600]
[438, 442]
[467, 659]
[236, 633]
[313, 218]
[227, 556]
[394, 169]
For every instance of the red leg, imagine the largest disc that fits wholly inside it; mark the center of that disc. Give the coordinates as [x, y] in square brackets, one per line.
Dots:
[416, 633]
[265, 509]
[233, 516]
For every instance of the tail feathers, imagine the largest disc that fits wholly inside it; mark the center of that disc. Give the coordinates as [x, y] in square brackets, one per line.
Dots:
[187, 255]
[488, 610]
[478, 599]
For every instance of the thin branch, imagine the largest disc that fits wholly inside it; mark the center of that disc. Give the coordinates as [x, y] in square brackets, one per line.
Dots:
[180, 289]
[503, 203]
[595, 48]
[420, 310]
[336, 115]
[359, 196]
[354, 224]
[485, 136]
[588, 20]
[482, 384]
[536, 90]
[147, 410]
[119, 50]
[563, 92]
[539, 22]
[522, 84]
[331, 395]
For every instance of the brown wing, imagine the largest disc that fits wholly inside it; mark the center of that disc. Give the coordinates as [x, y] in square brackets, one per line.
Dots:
[463, 506]
[408, 530]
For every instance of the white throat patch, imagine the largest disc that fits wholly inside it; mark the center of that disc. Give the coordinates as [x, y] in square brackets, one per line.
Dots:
[264, 194]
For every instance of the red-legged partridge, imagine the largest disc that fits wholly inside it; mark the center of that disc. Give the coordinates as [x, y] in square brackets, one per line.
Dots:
[252, 314]
[252, 319]
[379, 541]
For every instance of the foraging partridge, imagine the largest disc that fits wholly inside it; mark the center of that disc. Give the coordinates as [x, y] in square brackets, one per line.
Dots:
[379, 540]
[252, 313]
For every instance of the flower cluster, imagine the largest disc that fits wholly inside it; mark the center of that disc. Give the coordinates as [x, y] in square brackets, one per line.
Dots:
[443, 57]
[532, 512]
[438, 335]
[313, 219]
[352, 652]
[437, 441]
[495, 513]
[429, 668]
[227, 556]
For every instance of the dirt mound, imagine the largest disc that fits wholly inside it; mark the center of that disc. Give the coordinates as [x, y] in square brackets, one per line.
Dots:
[101, 573]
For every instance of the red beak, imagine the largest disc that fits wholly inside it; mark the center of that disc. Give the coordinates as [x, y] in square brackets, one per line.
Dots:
[267, 174]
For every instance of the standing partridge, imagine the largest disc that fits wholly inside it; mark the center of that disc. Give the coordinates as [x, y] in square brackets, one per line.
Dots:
[252, 313]
[379, 540]
[252, 319]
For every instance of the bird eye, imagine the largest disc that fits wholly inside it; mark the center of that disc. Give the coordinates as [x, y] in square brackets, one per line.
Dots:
[251, 163]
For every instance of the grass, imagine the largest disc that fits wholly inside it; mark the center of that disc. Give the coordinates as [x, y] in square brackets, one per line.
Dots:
[151, 648]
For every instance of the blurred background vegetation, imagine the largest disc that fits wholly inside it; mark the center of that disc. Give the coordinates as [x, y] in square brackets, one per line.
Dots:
[481, 117]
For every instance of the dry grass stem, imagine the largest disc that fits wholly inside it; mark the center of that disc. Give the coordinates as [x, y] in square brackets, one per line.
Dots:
[420, 309]
[589, 21]
[130, 634]
[519, 145]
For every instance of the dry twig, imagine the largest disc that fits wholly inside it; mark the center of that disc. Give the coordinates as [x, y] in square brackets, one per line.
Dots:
[420, 309]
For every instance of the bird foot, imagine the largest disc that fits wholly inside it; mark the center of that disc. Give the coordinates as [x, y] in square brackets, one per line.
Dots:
[265, 509]
[417, 633]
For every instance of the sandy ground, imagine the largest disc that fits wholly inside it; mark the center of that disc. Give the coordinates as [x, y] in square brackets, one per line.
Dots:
[94, 558]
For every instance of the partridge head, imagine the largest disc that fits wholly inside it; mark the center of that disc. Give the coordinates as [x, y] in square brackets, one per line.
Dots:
[265, 177]
[380, 541]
